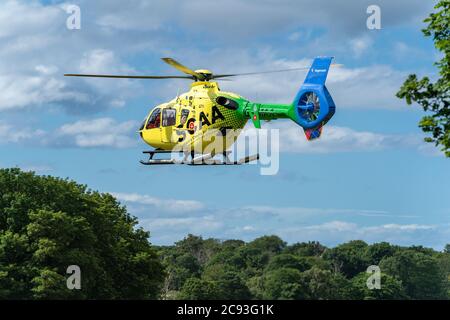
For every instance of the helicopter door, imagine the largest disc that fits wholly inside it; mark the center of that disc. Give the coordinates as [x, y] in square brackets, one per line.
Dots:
[169, 117]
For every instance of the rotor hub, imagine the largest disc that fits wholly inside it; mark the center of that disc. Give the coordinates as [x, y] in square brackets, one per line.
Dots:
[207, 74]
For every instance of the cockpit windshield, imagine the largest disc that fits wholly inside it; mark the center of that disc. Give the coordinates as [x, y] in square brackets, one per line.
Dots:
[155, 119]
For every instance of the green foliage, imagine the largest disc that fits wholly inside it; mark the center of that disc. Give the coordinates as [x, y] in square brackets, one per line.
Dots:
[229, 281]
[269, 244]
[323, 284]
[348, 258]
[283, 284]
[447, 248]
[391, 288]
[201, 249]
[306, 249]
[419, 273]
[198, 289]
[378, 251]
[268, 269]
[434, 97]
[288, 261]
[47, 224]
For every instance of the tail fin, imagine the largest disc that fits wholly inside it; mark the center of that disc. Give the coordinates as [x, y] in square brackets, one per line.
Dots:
[319, 70]
[313, 106]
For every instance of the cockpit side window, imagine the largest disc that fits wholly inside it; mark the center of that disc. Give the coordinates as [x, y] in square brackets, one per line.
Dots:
[169, 117]
[155, 119]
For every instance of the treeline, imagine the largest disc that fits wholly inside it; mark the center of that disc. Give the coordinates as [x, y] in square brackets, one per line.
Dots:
[268, 268]
[48, 224]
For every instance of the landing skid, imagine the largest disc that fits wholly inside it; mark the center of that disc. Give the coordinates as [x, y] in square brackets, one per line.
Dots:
[199, 160]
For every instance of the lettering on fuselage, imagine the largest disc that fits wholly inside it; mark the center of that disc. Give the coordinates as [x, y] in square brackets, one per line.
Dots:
[216, 114]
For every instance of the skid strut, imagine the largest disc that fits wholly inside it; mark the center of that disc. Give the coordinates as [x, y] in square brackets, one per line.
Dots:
[191, 159]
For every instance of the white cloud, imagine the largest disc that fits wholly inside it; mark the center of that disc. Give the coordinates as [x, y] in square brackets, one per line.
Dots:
[107, 132]
[244, 19]
[336, 231]
[16, 16]
[100, 61]
[293, 225]
[36, 49]
[169, 230]
[170, 220]
[336, 139]
[96, 133]
[332, 226]
[394, 227]
[151, 203]
[20, 91]
[11, 134]
[372, 87]
[102, 132]
[360, 45]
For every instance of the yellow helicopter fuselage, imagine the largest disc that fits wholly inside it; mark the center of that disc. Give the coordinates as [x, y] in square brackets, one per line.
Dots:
[186, 121]
[208, 121]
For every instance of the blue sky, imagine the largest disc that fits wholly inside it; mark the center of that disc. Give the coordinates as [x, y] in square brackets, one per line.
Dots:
[370, 177]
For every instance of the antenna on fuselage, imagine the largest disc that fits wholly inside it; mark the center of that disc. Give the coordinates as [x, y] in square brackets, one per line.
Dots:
[178, 95]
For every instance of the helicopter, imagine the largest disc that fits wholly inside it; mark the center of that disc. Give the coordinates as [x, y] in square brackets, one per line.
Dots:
[182, 124]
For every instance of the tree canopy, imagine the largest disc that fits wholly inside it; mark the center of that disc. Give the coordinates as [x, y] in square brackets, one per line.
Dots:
[48, 224]
[434, 97]
[268, 268]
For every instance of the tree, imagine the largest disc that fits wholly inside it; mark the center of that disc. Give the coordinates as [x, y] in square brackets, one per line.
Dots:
[269, 244]
[349, 258]
[419, 273]
[443, 260]
[48, 224]
[255, 259]
[447, 248]
[378, 251]
[312, 248]
[199, 289]
[288, 261]
[434, 97]
[228, 281]
[391, 288]
[229, 256]
[201, 249]
[323, 284]
[284, 284]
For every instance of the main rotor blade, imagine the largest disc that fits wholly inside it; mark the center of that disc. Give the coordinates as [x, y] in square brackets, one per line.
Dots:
[255, 73]
[126, 77]
[218, 76]
[182, 68]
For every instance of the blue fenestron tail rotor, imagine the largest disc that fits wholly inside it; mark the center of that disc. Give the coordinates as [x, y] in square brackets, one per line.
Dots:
[313, 106]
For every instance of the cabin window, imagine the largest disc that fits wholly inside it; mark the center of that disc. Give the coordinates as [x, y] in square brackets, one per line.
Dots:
[184, 116]
[155, 119]
[169, 117]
